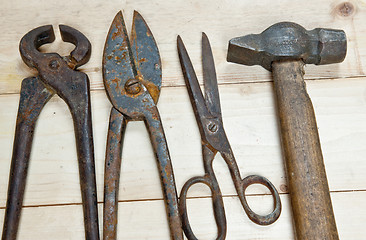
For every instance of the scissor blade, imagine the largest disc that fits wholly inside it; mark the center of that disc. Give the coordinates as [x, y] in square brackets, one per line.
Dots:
[118, 64]
[209, 78]
[194, 90]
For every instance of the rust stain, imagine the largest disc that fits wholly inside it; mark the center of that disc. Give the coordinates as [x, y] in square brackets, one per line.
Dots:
[152, 88]
[118, 32]
[124, 55]
[116, 81]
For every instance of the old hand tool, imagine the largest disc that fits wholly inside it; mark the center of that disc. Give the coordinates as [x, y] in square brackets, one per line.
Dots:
[132, 79]
[56, 75]
[208, 115]
[284, 48]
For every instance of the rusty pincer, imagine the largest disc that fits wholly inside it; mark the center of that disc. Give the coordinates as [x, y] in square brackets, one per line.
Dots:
[56, 75]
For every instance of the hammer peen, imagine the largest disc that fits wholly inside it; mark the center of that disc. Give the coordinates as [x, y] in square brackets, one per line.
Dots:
[284, 48]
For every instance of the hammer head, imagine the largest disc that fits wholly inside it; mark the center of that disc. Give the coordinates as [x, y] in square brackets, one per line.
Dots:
[288, 41]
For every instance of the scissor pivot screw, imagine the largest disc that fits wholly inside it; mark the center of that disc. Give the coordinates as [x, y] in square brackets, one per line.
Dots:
[212, 127]
[54, 64]
[133, 86]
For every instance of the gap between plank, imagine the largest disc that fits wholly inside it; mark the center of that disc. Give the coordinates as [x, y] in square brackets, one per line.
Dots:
[227, 83]
[160, 199]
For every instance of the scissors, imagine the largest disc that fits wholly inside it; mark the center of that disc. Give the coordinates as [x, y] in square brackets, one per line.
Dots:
[132, 79]
[208, 116]
[56, 75]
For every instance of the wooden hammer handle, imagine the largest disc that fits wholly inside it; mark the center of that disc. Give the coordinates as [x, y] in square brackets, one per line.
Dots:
[310, 199]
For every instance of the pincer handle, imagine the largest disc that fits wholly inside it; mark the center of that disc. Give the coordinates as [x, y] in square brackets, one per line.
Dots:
[80, 108]
[33, 96]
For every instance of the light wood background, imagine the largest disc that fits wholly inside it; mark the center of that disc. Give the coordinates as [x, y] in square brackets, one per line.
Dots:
[52, 202]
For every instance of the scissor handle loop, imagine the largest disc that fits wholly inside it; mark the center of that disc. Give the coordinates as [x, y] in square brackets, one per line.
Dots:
[217, 203]
[256, 218]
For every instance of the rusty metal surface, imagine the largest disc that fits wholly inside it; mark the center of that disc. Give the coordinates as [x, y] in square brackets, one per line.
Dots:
[288, 41]
[208, 115]
[56, 75]
[132, 79]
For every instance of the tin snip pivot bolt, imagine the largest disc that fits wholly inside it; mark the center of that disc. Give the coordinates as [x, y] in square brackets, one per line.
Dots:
[209, 120]
[56, 75]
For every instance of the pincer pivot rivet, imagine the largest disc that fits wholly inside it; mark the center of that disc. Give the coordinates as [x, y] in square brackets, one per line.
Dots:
[54, 64]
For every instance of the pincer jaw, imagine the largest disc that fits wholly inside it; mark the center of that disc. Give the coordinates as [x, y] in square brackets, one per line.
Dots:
[81, 54]
[37, 37]
[30, 43]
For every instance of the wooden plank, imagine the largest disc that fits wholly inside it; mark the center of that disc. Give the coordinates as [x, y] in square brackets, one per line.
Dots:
[221, 20]
[250, 123]
[53, 193]
[146, 220]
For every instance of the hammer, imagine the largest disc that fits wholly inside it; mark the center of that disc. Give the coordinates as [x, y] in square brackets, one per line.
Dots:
[284, 48]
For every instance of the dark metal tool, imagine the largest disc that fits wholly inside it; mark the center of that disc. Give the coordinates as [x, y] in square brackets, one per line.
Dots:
[132, 78]
[208, 115]
[284, 48]
[56, 75]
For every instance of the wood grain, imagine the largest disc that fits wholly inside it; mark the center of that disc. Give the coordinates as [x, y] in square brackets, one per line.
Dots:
[312, 209]
[52, 198]
[250, 123]
[221, 21]
[146, 220]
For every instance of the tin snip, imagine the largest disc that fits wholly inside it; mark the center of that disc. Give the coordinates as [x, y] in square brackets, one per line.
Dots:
[132, 79]
[208, 116]
[56, 75]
